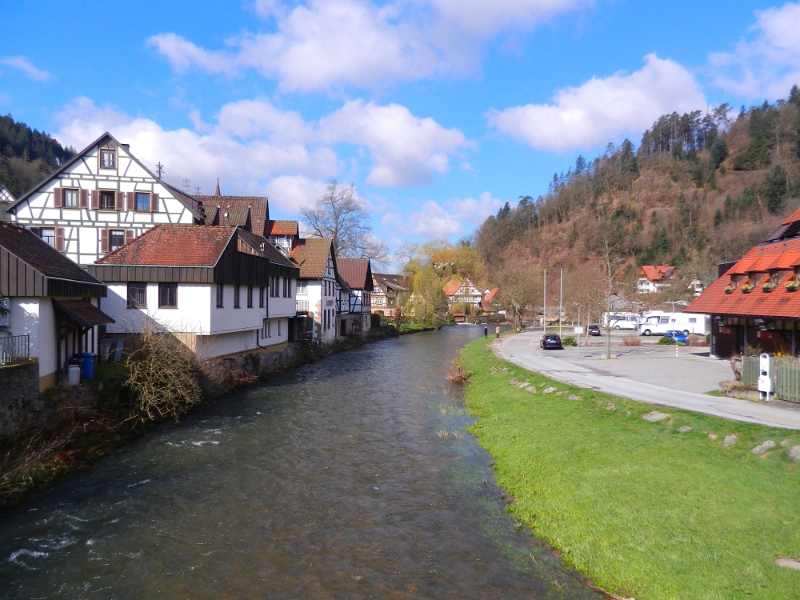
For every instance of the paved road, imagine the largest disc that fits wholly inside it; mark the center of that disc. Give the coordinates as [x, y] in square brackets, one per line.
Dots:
[650, 374]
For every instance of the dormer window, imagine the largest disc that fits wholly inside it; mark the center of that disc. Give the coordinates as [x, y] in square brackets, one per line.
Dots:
[108, 159]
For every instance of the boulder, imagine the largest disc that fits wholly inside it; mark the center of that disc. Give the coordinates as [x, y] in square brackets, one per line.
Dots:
[713, 437]
[785, 443]
[794, 453]
[549, 390]
[531, 389]
[763, 447]
[684, 429]
[573, 397]
[729, 440]
[655, 416]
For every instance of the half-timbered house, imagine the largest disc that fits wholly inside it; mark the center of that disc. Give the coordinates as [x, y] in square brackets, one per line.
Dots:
[317, 286]
[221, 290]
[357, 274]
[388, 293]
[99, 200]
[462, 291]
[49, 306]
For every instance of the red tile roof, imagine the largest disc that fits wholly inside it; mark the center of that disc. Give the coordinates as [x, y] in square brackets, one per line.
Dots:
[173, 246]
[357, 272]
[656, 273]
[451, 287]
[779, 258]
[491, 294]
[282, 228]
[311, 256]
[217, 207]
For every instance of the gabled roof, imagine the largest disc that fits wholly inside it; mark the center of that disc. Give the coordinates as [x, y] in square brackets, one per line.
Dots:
[311, 255]
[447, 256]
[452, 286]
[492, 293]
[190, 202]
[266, 250]
[656, 274]
[357, 272]
[173, 246]
[42, 257]
[387, 280]
[231, 210]
[282, 228]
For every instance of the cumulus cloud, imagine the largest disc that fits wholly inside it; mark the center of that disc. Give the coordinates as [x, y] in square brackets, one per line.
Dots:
[768, 64]
[290, 192]
[437, 221]
[476, 210]
[405, 149]
[434, 222]
[24, 65]
[601, 110]
[318, 44]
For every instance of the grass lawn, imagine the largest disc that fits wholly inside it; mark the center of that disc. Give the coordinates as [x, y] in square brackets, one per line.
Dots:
[642, 509]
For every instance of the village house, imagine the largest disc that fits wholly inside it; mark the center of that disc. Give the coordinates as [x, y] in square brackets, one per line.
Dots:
[221, 290]
[6, 200]
[49, 306]
[654, 279]
[99, 200]
[489, 302]
[462, 291]
[755, 303]
[388, 294]
[317, 286]
[356, 274]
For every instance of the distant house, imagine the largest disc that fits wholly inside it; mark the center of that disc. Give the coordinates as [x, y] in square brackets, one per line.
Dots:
[388, 292]
[99, 200]
[460, 291]
[6, 200]
[444, 259]
[357, 274]
[489, 303]
[654, 279]
[49, 306]
[221, 290]
[317, 286]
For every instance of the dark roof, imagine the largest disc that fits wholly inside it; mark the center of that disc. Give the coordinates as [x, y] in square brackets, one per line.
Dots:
[173, 245]
[191, 203]
[41, 256]
[396, 282]
[230, 210]
[311, 255]
[357, 272]
[268, 251]
[82, 312]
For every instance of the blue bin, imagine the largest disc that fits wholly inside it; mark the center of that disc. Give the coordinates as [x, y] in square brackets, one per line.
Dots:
[87, 366]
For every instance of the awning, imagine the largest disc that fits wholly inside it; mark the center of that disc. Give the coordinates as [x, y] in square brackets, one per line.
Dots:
[82, 312]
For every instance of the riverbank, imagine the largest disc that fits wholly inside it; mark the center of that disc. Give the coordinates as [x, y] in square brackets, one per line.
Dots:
[659, 509]
[95, 417]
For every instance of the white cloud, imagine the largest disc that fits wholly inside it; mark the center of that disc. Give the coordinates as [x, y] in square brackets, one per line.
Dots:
[476, 210]
[24, 65]
[319, 44]
[769, 64]
[405, 149]
[434, 222]
[602, 110]
[290, 192]
[257, 118]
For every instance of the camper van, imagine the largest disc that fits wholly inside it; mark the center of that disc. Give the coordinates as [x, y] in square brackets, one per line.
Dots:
[657, 322]
[621, 320]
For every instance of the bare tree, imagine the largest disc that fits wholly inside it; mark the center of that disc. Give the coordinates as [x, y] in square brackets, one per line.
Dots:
[519, 287]
[613, 266]
[340, 216]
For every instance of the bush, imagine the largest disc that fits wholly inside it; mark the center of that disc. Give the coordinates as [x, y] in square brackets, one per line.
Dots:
[569, 341]
[666, 341]
[631, 340]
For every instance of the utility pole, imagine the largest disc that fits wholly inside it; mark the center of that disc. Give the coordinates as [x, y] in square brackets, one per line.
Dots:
[159, 169]
[560, 300]
[544, 309]
[186, 185]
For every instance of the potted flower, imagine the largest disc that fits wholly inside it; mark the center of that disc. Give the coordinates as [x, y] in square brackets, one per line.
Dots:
[791, 285]
[768, 286]
[747, 287]
[729, 288]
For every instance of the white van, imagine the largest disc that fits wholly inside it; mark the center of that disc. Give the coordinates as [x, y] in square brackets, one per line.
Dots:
[621, 320]
[657, 322]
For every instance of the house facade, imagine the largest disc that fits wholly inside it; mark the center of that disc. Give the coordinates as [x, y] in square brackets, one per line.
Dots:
[460, 291]
[218, 289]
[317, 287]
[100, 200]
[356, 273]
[653, 279]
[388, 294]
[48, 304]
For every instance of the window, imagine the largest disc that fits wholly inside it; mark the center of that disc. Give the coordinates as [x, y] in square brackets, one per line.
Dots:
[220, 295]
[167, 295]
[279, 329]
[137, 295]
[261, 297]
[48, 234]
[302, 288]
[274, 287]
[69, 198]
[264, 329]
[286, 285]
[236, 296]
[107, 201]
[249, 296]
[142, 201]
[116, 239]
[108, 159]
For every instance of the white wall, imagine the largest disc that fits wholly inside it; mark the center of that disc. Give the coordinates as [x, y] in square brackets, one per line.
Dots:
[192, 314]
[35, 317]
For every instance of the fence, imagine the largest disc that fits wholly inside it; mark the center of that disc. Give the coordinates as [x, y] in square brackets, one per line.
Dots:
[14, 348]
[785, 376]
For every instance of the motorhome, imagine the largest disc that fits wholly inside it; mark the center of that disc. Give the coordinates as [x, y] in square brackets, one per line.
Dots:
[621, 320]
[657, 322]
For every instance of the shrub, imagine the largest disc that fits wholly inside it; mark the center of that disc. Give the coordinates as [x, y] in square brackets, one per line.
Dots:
[632, 340]
[666, 341]
[569, 341]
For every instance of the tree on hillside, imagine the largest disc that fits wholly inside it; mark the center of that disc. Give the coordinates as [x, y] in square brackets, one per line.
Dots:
[613, 268]
[340, 215]
[520, 287]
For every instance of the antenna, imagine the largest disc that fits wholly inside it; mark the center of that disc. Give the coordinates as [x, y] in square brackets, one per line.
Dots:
[159, 169]
[197, 191]
[186, 185]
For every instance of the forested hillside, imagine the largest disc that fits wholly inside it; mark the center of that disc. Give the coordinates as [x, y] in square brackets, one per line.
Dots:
[700, 189]
[27, 155]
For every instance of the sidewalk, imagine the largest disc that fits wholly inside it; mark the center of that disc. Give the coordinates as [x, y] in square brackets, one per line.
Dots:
[645, 374]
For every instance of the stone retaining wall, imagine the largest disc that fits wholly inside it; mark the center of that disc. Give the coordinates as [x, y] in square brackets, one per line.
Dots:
[20, 404]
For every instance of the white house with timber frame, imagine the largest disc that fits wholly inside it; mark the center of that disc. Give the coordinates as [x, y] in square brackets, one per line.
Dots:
[101, 199]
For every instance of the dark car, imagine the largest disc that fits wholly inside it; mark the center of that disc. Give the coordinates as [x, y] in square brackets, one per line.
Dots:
[550, 340]
[594, 330]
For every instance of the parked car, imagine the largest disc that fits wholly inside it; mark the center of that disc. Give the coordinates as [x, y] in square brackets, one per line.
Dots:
[594, 330]
[550, 340]
[677, 335]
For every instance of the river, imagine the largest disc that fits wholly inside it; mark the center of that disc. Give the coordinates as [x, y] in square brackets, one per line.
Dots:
[352, 477]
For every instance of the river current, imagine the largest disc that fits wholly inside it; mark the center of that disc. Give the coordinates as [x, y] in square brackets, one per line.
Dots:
[353, 477]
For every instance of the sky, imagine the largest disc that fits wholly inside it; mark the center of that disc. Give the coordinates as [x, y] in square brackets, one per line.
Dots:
[438, 111]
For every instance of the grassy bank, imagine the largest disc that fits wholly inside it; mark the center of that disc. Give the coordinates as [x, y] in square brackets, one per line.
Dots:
[641, 508]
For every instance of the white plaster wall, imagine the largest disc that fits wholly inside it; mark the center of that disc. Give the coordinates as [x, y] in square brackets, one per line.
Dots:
[229, 319]
[211, 346]
[278, 333]
[282, 307]
[192, 314]
[34, 317]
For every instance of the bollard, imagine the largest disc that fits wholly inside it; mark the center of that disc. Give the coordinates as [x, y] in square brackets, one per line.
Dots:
[676, 350]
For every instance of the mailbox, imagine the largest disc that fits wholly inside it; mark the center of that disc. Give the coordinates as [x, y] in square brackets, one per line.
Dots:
[764, 377]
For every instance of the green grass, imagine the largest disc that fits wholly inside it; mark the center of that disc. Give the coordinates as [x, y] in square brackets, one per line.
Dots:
[640, 508]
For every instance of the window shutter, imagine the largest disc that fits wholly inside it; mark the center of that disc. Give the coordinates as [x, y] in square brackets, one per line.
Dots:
[60, 239]
[95, 199]
[57, 197]
[153, 202]
[119, 202]
[84, 201]
[103, 241]
[131, 196]
[130, 234]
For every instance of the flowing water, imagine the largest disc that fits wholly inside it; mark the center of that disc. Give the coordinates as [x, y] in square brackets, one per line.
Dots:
[353, 477]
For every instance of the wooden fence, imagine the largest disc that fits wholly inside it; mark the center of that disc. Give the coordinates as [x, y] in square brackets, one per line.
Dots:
[785, 376]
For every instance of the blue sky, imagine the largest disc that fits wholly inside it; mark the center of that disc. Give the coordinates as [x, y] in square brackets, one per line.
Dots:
[438, 111]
